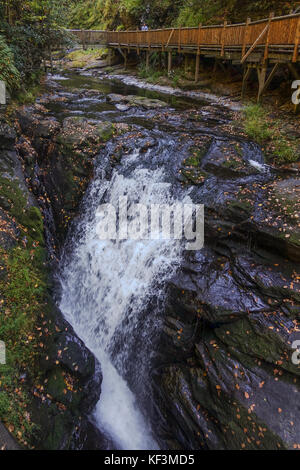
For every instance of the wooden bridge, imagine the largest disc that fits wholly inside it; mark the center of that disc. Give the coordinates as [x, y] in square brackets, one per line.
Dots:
[262, 45]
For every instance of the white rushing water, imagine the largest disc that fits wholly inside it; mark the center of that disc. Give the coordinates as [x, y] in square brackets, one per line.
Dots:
[106, 286]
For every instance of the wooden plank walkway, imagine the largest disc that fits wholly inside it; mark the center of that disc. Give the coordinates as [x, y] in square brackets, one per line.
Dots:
[274, 37]
[254, 44]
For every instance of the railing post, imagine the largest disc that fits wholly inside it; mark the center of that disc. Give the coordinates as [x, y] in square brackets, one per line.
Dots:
[169, 62]
[261, 72]
[197, 65]
[248, 21]
[199, 38]
[223, 38]
[268, 37]
[137, 35]
[179, 39]
[297, 41]
[185, 63]
[246, 75]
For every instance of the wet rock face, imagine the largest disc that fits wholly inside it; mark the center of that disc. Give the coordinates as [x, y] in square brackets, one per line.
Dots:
[231, 321]
[59, 159]
[226, 159]
[224, 368]
[9, 232]
[72, 388]
[232, 313]
[7, 135]
[67, 381]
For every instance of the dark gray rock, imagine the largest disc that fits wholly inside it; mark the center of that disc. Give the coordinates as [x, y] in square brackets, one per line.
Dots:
[230, 324]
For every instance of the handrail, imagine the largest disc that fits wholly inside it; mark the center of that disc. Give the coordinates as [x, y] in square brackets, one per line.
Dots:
[281, 30]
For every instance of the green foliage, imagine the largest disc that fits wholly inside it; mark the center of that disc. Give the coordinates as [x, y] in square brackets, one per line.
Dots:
[130, 14]
[30, 219]
[123, 14]
[266, 131]
[177, 76]
[29, 28]
[23, 289]
[8, 71]
[82, 58]
[285, 151]
[13, 405]
[256, 125]
[23, 293]
[28, 96]
[151, 74]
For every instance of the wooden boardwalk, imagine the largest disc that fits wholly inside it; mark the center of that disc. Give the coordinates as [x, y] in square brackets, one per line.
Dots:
[259, 45]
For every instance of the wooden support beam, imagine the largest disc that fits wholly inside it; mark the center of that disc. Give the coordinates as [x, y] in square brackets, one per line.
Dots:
[197, 65]
[199, 38]
[261, 73]
[266, 53]
[245, 39]
[215, 66]
[147, 59]
[170, 37]
[110, 52]
[297, 42]
[255, 43]
[223, 38]
[270, 77]
[84, 46]
[247, 73]
[169, 62]
[186, 63]
[293, 71]
[121, 52]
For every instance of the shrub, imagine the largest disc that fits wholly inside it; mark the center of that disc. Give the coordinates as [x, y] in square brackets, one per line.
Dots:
[151, 74]
[8, 71]
[260, 127]
[256, 125]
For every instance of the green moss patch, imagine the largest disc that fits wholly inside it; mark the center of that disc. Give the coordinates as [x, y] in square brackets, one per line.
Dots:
[83, 58]
[191, 170]
[22, 300]
[14, 201]
[263, 128]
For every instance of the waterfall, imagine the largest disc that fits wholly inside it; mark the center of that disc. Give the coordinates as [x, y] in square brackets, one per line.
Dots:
[106, 288]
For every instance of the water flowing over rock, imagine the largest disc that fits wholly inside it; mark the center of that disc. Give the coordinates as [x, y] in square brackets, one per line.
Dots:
[195, 347]
[216, 329]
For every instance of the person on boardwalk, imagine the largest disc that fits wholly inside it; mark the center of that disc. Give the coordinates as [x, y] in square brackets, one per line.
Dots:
[145, 27]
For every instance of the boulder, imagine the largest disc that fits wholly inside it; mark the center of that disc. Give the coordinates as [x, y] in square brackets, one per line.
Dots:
[231, 322]
[134, 100]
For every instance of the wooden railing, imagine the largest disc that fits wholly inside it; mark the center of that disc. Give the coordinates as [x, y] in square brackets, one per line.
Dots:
[90, 36]
[280, 32]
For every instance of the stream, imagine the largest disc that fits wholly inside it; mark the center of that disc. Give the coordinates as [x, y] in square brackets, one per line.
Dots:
[107, 285]
[113, 292]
